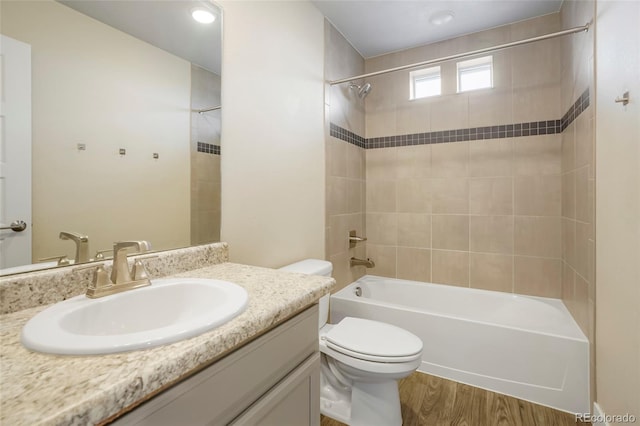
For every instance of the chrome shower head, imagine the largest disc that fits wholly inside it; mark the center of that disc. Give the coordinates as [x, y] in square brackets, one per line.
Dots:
[362, 91]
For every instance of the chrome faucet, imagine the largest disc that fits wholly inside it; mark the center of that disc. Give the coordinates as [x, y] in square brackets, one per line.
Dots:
[82, 245]
[360, 262]
[120, 273]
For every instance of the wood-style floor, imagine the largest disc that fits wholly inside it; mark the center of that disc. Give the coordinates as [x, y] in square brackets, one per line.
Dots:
[431, 401]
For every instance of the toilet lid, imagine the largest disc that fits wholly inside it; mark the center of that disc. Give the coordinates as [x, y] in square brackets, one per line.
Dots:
[373, 340]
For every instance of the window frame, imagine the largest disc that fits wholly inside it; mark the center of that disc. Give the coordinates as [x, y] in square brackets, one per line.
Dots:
[471, 65]
[422, 74]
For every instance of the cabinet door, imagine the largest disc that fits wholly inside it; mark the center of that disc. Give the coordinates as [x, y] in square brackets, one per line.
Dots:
[295, 401]
[222, 391]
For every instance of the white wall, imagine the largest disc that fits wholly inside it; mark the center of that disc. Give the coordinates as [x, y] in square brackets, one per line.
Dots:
[618, 208]
[96, 85]
[272, 132]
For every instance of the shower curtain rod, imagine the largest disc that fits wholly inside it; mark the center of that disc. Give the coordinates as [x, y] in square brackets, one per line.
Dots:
[200, 111]
[461, 55]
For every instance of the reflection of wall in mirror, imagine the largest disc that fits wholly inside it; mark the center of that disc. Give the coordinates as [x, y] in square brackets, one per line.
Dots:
[100, 87]
[205, 157]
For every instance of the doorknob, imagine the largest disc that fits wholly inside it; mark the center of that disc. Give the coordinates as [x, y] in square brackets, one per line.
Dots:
[16, 225]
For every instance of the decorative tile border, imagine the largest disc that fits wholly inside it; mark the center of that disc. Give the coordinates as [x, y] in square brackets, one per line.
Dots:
[575, 110]
[470, 134]
[347, 136]
[209, 148]
[515, 130]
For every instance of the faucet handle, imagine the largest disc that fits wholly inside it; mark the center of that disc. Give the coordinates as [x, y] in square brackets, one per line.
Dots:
[139, 272]
[100, 254]
[353, 239]
[99, 281]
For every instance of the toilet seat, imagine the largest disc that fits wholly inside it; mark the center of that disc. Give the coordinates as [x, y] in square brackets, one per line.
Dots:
[381, 370]
[372, 358]
[372, 341]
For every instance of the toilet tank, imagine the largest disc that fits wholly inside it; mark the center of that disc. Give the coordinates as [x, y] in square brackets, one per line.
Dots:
[310, 267]
[315, 267]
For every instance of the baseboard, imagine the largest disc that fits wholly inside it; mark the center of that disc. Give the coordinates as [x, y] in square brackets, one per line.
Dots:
[598, 417]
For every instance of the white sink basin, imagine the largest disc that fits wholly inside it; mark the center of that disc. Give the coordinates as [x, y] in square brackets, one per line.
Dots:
[167, 311]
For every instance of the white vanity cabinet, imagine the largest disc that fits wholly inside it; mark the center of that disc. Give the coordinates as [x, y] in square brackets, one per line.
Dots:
[273, 380]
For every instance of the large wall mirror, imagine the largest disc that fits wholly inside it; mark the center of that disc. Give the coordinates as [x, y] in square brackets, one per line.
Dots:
[123, 127]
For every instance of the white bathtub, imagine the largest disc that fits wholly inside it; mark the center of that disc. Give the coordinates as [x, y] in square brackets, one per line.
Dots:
[523, 346]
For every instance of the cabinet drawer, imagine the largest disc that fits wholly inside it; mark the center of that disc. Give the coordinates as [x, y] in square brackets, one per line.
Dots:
[222, 391]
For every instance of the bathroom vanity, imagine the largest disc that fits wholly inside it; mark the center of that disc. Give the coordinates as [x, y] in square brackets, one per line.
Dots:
[272, 380]
[259, 368]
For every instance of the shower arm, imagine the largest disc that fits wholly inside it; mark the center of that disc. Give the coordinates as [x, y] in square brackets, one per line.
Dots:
[200, 111]
[462, 55]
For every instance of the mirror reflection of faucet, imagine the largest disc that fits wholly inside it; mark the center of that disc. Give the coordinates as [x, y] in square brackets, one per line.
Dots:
[82, 245]
[100, 254]
[62, 259]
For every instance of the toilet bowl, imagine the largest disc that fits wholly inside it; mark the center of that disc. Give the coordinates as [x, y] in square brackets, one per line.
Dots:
[362, 360]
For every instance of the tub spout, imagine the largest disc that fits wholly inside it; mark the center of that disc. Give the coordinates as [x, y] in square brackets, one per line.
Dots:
[360, 262]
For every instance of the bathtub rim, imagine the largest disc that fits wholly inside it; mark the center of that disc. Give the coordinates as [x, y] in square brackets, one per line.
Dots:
[347, 293]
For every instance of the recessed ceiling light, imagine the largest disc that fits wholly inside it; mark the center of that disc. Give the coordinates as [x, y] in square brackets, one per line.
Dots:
[202, 15]
[442, 17]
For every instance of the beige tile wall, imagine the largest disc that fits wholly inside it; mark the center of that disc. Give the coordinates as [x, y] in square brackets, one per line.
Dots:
[205, 168]
[472, 227]
[345, 163]
[526, 84]
[482, 214]
[578, 175]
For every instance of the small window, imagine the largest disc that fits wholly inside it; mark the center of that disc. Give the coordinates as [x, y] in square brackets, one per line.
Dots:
[424, 83]
[475, 74]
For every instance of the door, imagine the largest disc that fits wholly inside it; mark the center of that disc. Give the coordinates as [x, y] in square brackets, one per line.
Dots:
[15, 151]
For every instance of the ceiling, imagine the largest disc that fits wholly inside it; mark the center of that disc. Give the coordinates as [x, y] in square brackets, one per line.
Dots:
[165, 24]
[376, 27]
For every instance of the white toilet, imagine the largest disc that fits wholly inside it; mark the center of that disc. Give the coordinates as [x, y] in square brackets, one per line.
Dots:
[362, 360]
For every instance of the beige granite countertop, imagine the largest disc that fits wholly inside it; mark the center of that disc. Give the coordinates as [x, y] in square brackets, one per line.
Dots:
[42, 389]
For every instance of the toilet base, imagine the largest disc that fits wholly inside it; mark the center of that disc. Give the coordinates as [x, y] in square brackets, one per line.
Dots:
[371, 404]
[337, 410]
[335, 397]
[376, 404]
